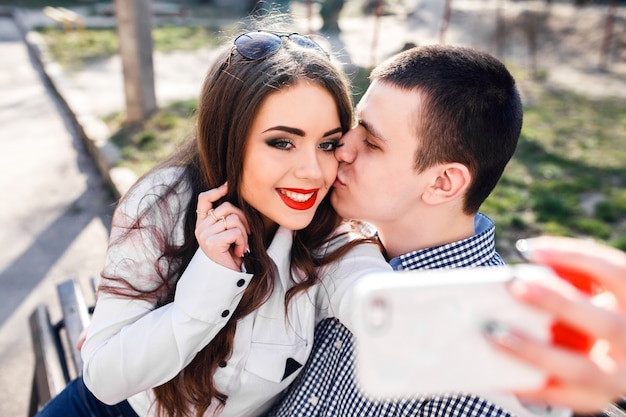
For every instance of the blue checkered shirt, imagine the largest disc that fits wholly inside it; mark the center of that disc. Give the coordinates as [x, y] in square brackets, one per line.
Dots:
[327, 387]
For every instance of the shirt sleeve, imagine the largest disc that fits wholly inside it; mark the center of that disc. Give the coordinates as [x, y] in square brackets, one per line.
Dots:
[334, 297]
[132, 345]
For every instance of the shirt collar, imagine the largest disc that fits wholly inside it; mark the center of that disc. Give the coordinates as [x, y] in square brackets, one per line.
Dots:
[477, 250]
[280, 252]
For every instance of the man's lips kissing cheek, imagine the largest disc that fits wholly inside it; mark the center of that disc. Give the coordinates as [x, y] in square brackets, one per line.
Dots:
[298, 199]
[338, 182]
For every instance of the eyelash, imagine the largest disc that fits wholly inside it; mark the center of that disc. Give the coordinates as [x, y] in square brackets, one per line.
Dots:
[280, 144]
[283, 145]
[369, 144]
[335, 143]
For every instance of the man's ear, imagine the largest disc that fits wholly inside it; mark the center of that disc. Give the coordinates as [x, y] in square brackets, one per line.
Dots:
[449, 182]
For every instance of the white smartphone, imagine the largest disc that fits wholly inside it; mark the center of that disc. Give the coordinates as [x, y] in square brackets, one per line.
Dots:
[421, 332]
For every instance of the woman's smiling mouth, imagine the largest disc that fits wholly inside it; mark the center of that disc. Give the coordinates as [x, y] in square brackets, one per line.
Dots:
[298, 199]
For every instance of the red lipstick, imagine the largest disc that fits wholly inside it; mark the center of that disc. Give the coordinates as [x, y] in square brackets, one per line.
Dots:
[295, 204]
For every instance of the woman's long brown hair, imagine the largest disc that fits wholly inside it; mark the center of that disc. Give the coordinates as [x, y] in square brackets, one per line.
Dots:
[233, 91]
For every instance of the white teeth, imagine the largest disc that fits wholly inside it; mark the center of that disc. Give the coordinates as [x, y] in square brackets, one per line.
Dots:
[300, 198]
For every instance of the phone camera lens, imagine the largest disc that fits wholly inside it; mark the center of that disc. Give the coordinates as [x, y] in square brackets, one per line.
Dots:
[378, 313]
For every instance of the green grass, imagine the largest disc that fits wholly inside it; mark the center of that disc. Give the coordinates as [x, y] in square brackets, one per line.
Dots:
[572, 149]
[74, 49]
[157, 139]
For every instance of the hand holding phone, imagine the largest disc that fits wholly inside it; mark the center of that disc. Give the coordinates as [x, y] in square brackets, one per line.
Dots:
[421, 332]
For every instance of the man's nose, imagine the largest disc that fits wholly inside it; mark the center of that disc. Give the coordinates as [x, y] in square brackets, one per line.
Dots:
[348, 151]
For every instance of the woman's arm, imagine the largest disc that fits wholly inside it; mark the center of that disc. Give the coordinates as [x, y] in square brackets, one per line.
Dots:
[334, 297]
[131, 345]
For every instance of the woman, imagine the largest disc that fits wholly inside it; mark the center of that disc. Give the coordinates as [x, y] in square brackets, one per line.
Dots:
[178, 328]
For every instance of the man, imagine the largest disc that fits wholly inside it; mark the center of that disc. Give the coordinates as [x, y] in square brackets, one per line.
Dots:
[436, 128]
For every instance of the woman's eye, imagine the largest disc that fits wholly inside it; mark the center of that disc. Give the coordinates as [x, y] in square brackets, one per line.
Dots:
[283, 144]
[330, 146]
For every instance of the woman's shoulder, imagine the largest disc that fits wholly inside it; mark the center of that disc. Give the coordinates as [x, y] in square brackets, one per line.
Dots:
[158, 179]
[167, 185]
[350, 230]
[346, 233]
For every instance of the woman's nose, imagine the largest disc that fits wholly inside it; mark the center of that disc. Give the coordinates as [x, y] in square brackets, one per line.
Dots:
[309, 166]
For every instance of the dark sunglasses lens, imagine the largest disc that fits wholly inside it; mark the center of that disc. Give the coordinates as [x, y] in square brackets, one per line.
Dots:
[257, 45]
[306, 42]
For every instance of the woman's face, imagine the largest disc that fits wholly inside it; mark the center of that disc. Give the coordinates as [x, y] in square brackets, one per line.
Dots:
[289, 163]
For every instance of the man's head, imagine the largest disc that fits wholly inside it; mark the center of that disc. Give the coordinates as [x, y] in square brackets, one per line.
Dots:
[437, 126]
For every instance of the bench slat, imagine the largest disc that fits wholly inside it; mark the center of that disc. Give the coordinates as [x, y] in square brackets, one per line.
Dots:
[65, 17]
[50, 370]
[57, 361]
[75, 318]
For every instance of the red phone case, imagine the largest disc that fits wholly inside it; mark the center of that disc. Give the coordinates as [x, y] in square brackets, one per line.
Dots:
[563, 334]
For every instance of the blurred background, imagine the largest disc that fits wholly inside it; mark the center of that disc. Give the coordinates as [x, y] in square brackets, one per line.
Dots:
[569, 57]
[122, 78]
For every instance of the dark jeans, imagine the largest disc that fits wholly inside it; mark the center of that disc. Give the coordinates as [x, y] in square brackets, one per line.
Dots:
[77, 401]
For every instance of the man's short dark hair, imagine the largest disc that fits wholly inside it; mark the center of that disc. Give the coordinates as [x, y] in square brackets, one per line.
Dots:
[470, 111]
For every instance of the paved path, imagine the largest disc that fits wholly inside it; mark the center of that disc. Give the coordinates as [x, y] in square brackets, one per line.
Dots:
[54, 213]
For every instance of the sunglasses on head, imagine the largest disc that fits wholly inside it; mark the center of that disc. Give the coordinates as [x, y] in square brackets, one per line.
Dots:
[262, 44]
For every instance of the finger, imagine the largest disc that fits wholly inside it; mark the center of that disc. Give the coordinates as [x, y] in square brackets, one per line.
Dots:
[221, 252]
[605, 264]
[207, 198]
[81, 339]
[227, 209]
[239, 245]
[575, 309]
[215, 214]
[596, 370]
[581, 400]
[214, 244]
[208, 229]
[218, 244]
[229, 217]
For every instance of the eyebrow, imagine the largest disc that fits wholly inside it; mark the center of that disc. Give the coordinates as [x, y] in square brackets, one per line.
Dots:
[300, 132]
[371, 130]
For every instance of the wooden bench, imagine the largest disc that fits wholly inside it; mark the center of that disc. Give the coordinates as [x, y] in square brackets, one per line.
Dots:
[65, 17]
[57, 360]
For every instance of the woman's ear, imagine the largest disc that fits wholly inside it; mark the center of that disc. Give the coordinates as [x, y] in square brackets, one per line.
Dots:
[449, 182]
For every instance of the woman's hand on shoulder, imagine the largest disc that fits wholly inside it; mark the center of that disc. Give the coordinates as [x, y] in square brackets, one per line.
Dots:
[222, 231]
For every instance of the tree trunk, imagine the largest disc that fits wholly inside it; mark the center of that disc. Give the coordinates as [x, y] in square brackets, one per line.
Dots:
[135, 35]
[330, 11]
[608, 34]
[445, 21]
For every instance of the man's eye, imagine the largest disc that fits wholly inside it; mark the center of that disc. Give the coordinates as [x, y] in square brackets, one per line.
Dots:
[330, 146]
[369, 144]
[283, 144]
